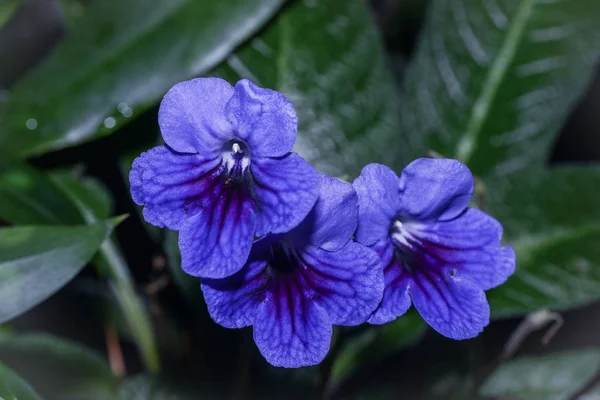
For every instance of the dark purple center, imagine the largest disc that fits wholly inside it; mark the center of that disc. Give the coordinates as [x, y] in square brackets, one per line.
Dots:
[416, 253]
[226, 189]
[236, 160]
[283, 258]
[407, 248]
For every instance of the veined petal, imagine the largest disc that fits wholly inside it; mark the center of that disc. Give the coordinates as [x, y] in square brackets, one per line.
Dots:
[378, 202]
[170, 185]
[291, 330]
[265, 119]
[435, 189]
[215, 243]
[454, 307]
[332, 221]
[285, 189]
[467, 247]
[232, 302]
[396, 300]
[347, 284]
[192, 116]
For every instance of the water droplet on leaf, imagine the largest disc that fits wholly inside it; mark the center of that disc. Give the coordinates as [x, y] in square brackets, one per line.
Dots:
[125, 110]
[110, 122]
[31, 124]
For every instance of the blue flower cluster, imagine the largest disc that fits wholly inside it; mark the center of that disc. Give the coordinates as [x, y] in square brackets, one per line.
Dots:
[292, 252]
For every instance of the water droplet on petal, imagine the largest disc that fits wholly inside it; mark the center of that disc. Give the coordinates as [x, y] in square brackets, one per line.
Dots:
[110, 122]
[31, 124]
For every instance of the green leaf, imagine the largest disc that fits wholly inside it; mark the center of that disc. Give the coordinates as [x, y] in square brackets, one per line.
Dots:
[36, 261]
[28, 196]
[7, 9]
[453, 386]
[13, 387]
[553, 223]
[593, 394]
[88, 200]
[58, 368]
[73, 9]
[326, 57]
[140, 49]
[138, 320]
[548, 377]
[374, 343]
[146, 387]
[31, 197]
[493, 81]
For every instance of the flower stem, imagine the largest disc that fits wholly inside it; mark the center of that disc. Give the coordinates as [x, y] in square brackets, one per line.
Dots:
[130, 303]
[114, 267]
[326, 368]
[113, 348]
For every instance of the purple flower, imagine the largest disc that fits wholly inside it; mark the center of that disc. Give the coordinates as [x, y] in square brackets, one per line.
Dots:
[226, 174]
[437, 253]
[295, 286]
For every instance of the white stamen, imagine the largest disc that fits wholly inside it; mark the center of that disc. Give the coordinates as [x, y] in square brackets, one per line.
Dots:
[229, 161]
[400, 234]
[230, 158]
[245, 163]
[400, 238]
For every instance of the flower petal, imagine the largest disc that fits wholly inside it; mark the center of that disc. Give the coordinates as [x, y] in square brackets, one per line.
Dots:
[454, 307]
[285, 189]
[169, 184]
[347, 283]
[265, 119]
[290, 330]
[378, 202]
[468, 247]
[215, 243]
[396, 300]
[232, 302]
[332, 221]
[192, 116]
[435, 189]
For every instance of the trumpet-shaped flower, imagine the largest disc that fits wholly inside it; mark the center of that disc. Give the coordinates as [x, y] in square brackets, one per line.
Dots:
[437, 253]
[226, 174]
[294, 287]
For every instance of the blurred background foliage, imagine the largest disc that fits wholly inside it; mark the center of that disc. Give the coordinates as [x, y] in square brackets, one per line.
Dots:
[93, 304]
